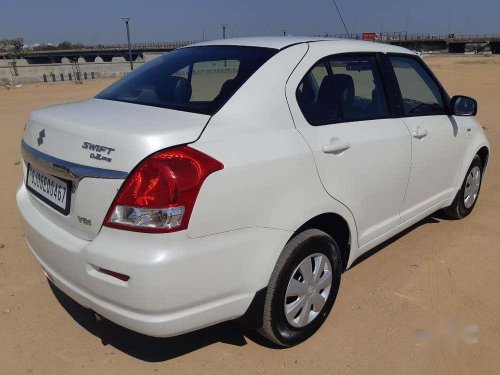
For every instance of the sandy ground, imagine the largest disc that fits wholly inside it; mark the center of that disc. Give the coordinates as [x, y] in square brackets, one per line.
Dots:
[439, 277]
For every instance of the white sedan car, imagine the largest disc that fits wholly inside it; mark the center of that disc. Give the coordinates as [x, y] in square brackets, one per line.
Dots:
[239, 178]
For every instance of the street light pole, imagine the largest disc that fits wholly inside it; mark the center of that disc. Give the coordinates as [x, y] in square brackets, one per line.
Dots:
[406, 28]
[126, 20]
[449, 19]
[224, 26]
[467, 19]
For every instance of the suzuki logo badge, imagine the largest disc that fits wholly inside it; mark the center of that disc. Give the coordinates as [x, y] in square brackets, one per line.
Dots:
[41, 136]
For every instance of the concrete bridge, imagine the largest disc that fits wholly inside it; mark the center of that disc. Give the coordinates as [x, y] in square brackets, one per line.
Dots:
[104, 52]
[419, 42]
[451, 43]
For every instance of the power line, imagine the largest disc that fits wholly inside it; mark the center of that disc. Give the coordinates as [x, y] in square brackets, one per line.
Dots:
[342, 19]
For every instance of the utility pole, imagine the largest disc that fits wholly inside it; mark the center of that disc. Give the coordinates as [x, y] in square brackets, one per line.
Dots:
[406, 28]
[284, 31]
[449, 19]
[224, 26]
[467, 19]
[312, 28]
[126, 20]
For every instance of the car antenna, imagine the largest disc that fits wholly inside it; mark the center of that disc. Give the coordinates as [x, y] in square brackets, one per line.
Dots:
[341, 18]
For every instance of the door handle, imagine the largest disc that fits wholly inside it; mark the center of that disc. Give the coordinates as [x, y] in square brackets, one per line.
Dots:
[336, 146]
[420, 133]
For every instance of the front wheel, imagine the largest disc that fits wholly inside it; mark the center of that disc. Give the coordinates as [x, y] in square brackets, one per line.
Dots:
[469, 192]
[302, 289]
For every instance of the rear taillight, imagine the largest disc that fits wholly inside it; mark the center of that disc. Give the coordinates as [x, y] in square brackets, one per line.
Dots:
[160, 193]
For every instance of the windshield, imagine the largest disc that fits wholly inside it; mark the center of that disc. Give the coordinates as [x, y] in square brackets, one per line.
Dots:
[193, 79]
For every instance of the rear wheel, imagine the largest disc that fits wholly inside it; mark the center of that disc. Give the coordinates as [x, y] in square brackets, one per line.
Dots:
[469, 192]
[302, 289]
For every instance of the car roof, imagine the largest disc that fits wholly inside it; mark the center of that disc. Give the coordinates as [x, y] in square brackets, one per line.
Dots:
[277, 42]
[280, 42]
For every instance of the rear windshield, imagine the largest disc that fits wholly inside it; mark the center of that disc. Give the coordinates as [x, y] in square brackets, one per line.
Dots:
[193, 79]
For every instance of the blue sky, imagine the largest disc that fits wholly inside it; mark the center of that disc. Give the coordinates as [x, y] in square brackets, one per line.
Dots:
[93, 21]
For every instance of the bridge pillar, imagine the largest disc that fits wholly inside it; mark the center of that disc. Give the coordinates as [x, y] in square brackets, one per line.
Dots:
[41, 60]
[495, 47]
[107, 58]
[89, 58]
[134, 56]
[456, 47]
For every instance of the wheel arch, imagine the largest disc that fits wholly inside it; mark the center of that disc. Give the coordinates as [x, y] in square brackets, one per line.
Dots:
[484, 154]
[479, 147]
[335, 226]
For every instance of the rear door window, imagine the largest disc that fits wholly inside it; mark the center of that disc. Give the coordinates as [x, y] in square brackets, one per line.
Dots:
[343, 89]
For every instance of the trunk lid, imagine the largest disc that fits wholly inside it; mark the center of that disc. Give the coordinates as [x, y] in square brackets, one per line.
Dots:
[95, 144]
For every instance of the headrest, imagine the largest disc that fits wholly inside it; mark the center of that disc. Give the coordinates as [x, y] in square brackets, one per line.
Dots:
[174, 90]
[343, 85]
[182, 91]
[306, 95]
[326, 93]
[338, 89]
[245, 67]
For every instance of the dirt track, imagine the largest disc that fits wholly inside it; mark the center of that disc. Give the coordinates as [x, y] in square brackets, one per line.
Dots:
[434, 273]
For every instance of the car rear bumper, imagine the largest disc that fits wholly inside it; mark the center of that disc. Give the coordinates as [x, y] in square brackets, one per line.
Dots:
[177, 284]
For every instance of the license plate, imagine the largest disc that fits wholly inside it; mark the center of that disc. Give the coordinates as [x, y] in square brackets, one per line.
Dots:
[50, 189]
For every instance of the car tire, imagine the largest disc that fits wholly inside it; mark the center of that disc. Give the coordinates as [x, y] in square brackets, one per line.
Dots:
[318, 288]
[467, 196]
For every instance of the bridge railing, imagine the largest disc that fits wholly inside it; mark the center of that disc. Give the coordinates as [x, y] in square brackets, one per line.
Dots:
[386, 37]
[449, 37]
[111, 47]
[144, 45]
[400, 36]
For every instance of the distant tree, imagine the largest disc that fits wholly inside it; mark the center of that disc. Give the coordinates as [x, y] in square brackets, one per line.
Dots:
[65, 45]
[12, 47]
[44, 47]
[12, 44]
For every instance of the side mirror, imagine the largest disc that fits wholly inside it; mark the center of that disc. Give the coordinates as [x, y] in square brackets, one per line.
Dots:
[463, 106]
